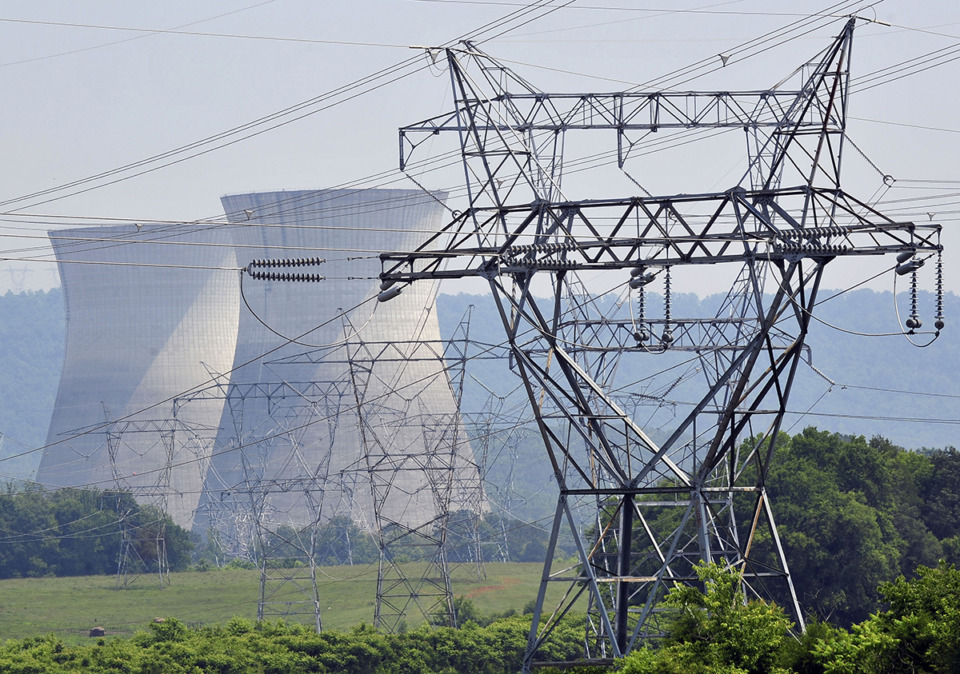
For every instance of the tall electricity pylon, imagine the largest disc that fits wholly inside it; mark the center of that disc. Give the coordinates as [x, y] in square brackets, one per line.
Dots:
[278, 475]
[411, 456]
[419, 476]
[642, 511]
[143, 542]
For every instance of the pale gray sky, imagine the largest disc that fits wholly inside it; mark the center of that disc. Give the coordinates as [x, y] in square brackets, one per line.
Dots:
[84, 97]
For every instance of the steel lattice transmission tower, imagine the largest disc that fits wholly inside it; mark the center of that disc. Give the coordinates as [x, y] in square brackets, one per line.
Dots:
[642, 512]
[247, 513]
[401, 436]
[143, 543]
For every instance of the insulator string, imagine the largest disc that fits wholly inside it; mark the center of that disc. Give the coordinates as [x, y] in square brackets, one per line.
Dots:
[667, 330]
[939, 322]
[914, 321]
[642, 334]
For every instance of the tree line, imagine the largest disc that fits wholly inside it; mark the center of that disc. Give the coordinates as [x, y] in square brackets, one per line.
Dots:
[77, 532]
[855, 513]
[852, 513]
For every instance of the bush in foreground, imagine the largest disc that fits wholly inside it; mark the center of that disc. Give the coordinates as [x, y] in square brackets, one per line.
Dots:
[712, 632]
[243, 646]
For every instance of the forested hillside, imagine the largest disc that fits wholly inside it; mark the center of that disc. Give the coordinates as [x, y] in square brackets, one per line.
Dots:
[77, 532]
[871, 374]
[883, 385]
[853, 514]
[31, 356]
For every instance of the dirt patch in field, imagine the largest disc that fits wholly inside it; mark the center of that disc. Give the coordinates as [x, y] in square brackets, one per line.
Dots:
[484, 589]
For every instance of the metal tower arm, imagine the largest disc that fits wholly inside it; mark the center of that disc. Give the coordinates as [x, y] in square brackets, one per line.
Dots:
[657, 232]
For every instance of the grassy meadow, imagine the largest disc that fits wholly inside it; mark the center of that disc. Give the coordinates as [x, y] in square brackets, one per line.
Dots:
[69, 607]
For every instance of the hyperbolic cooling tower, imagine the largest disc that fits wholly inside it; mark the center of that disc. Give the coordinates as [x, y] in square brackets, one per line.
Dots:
[149, 309]
[331, 392]
[292, 402]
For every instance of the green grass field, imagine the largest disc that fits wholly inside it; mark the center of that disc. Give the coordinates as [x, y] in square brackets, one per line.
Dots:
[69, 607]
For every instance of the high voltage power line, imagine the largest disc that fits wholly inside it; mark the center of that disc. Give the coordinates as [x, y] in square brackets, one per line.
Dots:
[834, 8]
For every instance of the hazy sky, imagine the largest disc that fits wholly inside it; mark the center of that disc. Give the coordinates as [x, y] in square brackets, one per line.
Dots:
[91, 87]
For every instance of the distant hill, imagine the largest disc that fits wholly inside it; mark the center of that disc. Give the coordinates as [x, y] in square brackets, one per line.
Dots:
[867, 370]
[870, 371]
[32, 334]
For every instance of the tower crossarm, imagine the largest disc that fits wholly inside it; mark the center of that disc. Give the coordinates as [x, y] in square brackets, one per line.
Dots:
[155, 426]
[657, 232]
[389, 351]
[620, 111]
[695, 335]
[278, 389]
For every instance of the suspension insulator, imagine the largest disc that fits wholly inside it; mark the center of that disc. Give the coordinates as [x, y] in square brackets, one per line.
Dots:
[938, 323]
[258, 275]
[666, 296]
[914, 321]
[295, 262]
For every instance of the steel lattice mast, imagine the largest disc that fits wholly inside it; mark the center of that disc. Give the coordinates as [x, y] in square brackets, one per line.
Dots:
[399, 437]
[148, 537]
[653, 508]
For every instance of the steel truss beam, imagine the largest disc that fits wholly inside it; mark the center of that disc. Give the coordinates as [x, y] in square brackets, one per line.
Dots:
[394, 351]
[644, 508]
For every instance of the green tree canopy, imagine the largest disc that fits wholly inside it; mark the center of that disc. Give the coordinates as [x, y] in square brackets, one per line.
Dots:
[77, 532]
[715, 630]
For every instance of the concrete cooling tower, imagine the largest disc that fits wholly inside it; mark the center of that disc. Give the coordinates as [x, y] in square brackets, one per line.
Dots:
[149, 309]
[227, 399]
[336, 404]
